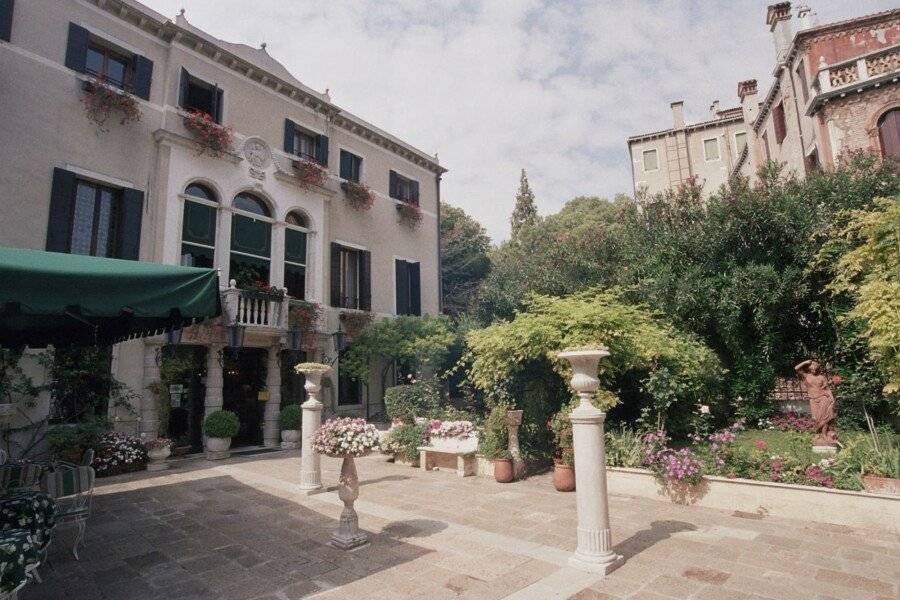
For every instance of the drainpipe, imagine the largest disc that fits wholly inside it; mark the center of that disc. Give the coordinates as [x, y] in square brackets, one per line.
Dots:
[437, 187]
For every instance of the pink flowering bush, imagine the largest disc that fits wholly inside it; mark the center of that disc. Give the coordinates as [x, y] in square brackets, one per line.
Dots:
[668, 464]
[792, 421]
[345, 437]
[715, 448]
[451, 429]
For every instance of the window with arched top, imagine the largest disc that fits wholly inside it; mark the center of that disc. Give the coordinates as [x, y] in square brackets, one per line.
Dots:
[251, 241]
[198, 227]
[889, 134]
[295, 254]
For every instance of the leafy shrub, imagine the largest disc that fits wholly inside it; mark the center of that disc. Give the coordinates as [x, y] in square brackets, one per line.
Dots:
[221, 424]
[561, 427]
[291, 417]
[68, 442]
[624, 448]
[406, 402]
[494, 440]
[405, 440]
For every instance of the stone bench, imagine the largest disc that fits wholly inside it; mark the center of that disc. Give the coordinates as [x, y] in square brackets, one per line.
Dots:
[465, 459]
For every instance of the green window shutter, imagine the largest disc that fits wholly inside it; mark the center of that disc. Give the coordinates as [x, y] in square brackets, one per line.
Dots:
[62, 199]
[295, 246]
[289, 128]
[129, 238]
[76, 48]
[414, 192]
[322, 149]
[199, 224]
[393, 184]
[415, 291]
[346, 165]
[6, 16]
[183, 87]
[335, 274]
[218, 106]
[143, 75]
[365, 280]
[251, 236]
[402, 287]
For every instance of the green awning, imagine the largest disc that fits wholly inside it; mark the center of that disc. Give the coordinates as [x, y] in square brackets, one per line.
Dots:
[54, 298]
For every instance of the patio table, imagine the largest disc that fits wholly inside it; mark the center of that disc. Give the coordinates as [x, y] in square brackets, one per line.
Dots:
[31, 511]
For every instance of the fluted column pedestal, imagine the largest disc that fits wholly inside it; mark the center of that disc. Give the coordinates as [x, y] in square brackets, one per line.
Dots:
[310, 468]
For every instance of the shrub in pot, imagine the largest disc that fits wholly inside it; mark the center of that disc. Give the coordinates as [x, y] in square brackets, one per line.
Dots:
[291, 420]
[220, 426]
[563, 451]
[493, 444]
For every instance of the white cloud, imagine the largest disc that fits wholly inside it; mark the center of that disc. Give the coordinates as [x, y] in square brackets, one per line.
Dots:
[497, 85]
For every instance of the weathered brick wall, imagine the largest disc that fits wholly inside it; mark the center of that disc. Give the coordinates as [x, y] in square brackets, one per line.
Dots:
[841, 45]
[852, 121]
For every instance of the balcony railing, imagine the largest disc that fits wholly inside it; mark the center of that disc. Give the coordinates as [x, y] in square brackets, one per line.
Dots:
[859, 70]
[253, 308]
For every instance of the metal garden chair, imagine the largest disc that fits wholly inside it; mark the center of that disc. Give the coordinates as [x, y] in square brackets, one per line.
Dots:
[72, 487]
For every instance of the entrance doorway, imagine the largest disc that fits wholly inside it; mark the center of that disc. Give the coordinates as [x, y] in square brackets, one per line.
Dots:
[244, 376]
[183, 369]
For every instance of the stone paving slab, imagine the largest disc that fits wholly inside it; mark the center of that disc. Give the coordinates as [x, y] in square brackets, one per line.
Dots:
[240, 529]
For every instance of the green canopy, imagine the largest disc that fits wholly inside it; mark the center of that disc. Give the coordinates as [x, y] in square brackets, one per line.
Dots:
[54, 298]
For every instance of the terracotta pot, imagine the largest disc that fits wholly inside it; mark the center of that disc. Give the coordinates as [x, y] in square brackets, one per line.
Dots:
[881, 485]
[503, 470]
[564, 477]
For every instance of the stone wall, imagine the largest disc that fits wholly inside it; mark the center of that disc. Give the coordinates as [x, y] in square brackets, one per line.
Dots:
[852, 121]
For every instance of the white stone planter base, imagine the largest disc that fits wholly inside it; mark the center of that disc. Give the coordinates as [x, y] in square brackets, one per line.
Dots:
[217, 455]
[157, 465]
[604, 566]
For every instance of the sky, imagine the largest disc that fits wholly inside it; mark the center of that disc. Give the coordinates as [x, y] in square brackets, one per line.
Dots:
[495, 86]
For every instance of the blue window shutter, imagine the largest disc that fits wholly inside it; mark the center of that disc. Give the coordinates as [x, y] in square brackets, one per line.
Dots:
[289, 129]
[392, 185]
[76, 48]
[129, 239]
[62, 200]
[415, 289]
[322, 149]
[143, 75]
[6, 15]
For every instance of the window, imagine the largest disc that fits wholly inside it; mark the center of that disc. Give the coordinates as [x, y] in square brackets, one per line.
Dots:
[408, 288]
[91, 54]
[304, 143]
[779, 122]
[711, 149]
[6, 17]
[251, 240]
[889, 134]
[804, 87]
[88, 217]
[198, 229]
[349, 390]
[350, 278]
[295, 255]
[196, 94]
[651, 160]
[403, 188]
[740, 141]
[351, 166]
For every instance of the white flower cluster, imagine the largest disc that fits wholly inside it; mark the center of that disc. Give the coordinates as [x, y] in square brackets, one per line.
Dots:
[451, 429]
[118, 450]
[346, 437]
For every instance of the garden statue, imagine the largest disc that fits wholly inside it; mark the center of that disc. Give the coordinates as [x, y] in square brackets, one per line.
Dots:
[821, 402]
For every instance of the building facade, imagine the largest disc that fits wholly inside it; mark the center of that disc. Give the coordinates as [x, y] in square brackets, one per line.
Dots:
[145, 190]
[835, 90]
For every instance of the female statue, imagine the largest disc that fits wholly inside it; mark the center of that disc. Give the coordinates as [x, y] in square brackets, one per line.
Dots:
[821, 401]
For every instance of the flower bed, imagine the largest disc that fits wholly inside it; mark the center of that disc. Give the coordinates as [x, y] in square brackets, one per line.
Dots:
[212, 138]
[345, 437]
[119, 453]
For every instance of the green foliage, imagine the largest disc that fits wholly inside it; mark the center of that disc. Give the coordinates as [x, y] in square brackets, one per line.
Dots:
[561, 426]
[422, 343]
[405, 402]
[291, 417]
[493, 441]
[524, 213]
[174, 368]
[15, 385]
[624, 448]
[405, 440]
[464, 258]
[80, 383]
[221, 424]
[70, 441]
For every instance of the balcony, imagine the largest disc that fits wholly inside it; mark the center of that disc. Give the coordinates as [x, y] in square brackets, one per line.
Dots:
[868, 70]
[255, 309]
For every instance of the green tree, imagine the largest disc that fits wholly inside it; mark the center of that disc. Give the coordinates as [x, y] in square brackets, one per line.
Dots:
[464, 258]
[524, 213]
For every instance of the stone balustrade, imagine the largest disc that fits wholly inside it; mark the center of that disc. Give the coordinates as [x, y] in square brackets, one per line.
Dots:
[858, 70]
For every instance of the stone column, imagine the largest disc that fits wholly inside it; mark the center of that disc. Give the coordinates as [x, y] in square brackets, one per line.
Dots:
[271, 429]
[213, 399]
[594, 552]
[150, 399]
[310, 469]
[513, 420]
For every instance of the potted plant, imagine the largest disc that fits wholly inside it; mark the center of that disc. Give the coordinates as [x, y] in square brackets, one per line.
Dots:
[494, 442]
[355, 321]
[402, 443]
[100, 100]
[211, 138]
[290, 419]
[564, 454]
[304, 315]
[158, 450]
[410, 214]
[311, 172]
[358, 196]
[219, 427]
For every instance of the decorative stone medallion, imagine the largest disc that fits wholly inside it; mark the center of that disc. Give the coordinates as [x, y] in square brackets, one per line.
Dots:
[257, 153]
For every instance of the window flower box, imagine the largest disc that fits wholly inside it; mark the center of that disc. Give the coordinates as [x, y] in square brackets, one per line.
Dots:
[358, 196]
[304, 315]
[211, 138]
[101, 100]
[410, 214]
[355, 321]
[452, 436]
[310, 172]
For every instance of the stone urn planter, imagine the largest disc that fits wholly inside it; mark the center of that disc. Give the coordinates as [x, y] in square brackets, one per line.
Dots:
[503, 470]
[220, 426]
[875, 484]
[290, 438]
[563, 477]
[348, 535]
[158, 456]
[218, 448]
[291, 419]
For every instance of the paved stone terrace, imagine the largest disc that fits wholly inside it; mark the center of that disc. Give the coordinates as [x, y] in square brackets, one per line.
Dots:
[239, 530]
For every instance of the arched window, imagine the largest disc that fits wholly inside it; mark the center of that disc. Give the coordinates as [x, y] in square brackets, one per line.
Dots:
[295, 254]
[889, 134]
[251, 241]
[198, 228]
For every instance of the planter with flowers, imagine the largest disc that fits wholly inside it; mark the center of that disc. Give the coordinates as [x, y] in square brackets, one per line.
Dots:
[290, 421]
[212, 139]
[303, 317]
[347, 438]
[355, 321]
[101, 100]
[410, 214]
[219, 427]
[310, 172]
[452, 436]
[158, 450]
[118, 453]
[358, 196]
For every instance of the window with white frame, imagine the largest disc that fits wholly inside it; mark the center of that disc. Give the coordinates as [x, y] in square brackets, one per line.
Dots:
[740, 141]
[198, 228]
[251, 241]
[711, 149]
[651, 160]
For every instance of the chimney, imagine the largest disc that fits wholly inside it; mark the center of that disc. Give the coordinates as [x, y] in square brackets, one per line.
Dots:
[806, 18]
[714, 109]
[778, 18]
[746, 91]
[678, 114]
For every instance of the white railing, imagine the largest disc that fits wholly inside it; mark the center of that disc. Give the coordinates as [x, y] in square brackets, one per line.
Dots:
[254, 309]
[860, 69]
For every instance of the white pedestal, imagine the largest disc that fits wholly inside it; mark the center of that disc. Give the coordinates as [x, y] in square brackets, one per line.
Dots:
[310, 467]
